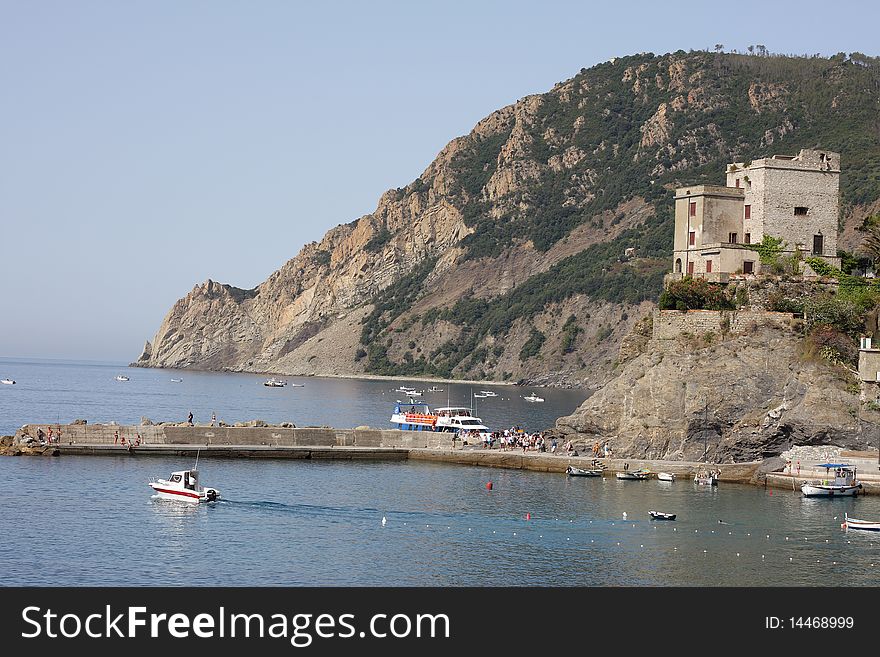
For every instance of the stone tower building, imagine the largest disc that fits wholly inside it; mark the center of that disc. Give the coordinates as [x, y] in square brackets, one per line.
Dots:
[791, 197]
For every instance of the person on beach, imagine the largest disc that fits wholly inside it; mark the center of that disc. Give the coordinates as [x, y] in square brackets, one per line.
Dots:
[189, 420]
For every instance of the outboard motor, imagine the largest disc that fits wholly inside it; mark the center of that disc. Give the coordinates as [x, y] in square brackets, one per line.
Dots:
[211, 494]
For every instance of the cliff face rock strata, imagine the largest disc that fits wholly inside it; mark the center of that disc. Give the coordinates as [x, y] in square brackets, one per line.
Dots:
[745, 398]
[523, 224]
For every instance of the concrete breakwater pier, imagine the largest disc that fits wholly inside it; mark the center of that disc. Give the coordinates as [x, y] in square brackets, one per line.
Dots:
[362, 443]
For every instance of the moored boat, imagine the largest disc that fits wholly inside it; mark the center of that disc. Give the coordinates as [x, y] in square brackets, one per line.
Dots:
[665, 476]
[488, 393]
[843, 484]
[707, 478]
[572, 471]
[183, 486]
[121, 378]
[659, 515]
[274, 383]
[8, 382]
[413, 416]
[533, 398]
[634, 475]
[853, 523]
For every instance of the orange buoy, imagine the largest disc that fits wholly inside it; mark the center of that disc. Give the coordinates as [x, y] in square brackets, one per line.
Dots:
[488, 485]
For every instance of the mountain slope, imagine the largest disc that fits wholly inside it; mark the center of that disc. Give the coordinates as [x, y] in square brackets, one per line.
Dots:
[506, 258]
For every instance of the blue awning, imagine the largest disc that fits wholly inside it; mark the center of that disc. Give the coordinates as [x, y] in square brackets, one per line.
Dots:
[834, 465]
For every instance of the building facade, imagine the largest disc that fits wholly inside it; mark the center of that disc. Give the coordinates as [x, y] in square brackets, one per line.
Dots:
[794, 198]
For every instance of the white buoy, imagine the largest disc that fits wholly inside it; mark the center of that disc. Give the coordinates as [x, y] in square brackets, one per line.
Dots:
[384, 521]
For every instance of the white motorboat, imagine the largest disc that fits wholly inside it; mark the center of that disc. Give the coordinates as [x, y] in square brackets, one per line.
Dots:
[121, 378]
[459, 418]
[176, 380]
[183, 486]
[659, 515]
[853, 523]
[533, 398]
[8, 382]
[479, 396]
[665, 476]
[842, 484]
[274, 383]
[434, 389]
[488, 393]
[572, 471]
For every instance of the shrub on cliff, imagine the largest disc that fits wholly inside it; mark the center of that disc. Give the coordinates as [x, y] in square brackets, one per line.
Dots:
[694, 294]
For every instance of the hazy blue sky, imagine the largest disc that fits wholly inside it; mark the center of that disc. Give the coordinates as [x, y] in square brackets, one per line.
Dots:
[148, 146]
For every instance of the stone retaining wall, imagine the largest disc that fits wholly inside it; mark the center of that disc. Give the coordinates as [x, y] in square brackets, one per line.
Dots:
[671, 324]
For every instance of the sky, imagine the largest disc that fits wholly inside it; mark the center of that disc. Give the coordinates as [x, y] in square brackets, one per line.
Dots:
[146, 147]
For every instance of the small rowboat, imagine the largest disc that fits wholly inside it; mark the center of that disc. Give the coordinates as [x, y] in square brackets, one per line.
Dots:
[634, 475]
[853, 523]
[665, 476]
[572, 471]
[659, 515]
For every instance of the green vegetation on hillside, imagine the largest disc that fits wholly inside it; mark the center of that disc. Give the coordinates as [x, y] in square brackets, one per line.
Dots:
[637, 126]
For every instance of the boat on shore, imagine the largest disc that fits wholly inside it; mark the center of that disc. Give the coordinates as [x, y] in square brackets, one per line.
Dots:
[843, 484]
[8, 382]
[854, 523]
[183, 486]
[665, 476]
[572, 471]
[659, 515]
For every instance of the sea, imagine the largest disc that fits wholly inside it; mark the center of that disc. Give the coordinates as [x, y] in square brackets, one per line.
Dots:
[92, 521]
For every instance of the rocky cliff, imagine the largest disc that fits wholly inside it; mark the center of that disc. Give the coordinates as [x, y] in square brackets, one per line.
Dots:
[739, 397]
[527, 249]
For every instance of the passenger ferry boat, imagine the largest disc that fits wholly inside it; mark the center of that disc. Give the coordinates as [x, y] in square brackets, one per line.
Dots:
[843, 484]
[417, 416]
[183, 486]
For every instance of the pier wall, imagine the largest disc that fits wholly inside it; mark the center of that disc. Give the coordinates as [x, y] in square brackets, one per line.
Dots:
[163, 434]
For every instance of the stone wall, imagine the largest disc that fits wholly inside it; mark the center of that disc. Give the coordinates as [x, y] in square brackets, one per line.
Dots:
[671, 324]
[106, 434]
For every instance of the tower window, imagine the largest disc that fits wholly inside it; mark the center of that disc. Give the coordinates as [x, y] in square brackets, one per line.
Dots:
[748, 214]
[747, 238]
[692, 238]
[693, 208]
[732, 238]
[800, 211]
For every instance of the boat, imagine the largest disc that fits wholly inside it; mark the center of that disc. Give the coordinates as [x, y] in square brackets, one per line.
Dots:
[183, 486]
[122, 378]
[572, 471]
[628, 475]
[434, 389]
[488, 393]
[843, 484]
[533, 398]
[274, 383]
[413, 416]
[8, 382]
[479, 396]
[659, 515]
[459, 418]
[853, 523]
[176, 380]
[707, 478]
[665, 476]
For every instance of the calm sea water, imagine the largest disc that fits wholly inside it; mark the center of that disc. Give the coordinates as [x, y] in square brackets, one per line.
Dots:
[92, 521]
[56, 391]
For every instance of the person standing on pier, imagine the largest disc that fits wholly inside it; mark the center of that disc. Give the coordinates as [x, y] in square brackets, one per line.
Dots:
[189, 420]
[213, 418]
